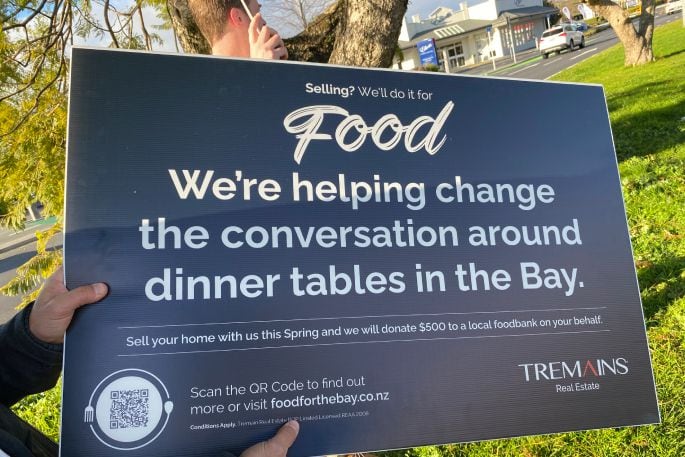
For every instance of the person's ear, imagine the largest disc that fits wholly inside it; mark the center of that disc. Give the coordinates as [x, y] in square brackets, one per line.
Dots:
[236, 16]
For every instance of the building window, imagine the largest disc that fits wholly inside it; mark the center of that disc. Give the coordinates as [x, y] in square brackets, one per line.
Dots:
[455, 55]
[523, 33]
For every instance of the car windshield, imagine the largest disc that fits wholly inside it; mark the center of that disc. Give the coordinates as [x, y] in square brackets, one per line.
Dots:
[550, 32]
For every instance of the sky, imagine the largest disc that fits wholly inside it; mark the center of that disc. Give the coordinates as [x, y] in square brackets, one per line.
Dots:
[150, 16]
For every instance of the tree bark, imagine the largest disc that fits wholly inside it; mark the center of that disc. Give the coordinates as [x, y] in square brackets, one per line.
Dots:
[368, 32]
[315, 43]
[192, 40]
[637, 45]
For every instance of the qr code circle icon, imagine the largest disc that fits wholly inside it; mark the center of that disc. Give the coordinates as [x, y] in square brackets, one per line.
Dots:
[128, 409]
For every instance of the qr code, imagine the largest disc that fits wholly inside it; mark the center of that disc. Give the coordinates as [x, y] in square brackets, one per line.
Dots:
[130, 408]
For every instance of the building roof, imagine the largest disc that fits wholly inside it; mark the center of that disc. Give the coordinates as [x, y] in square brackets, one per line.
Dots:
[446, 31]
[520, 13]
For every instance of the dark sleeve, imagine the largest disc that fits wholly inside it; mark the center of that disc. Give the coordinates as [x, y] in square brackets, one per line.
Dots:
[27, 365]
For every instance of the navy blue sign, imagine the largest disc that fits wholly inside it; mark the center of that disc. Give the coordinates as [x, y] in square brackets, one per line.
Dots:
[282, 241]
[427, 52]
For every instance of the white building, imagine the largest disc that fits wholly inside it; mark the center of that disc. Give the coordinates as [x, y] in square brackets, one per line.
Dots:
[477, 31]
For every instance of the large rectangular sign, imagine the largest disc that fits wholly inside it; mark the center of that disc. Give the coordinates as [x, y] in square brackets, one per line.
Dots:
[394, 259]
[428, 54]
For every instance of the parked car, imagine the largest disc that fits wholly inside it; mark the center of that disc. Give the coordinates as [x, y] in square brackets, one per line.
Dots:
[560, 37]
[673, 6]
[579, 25]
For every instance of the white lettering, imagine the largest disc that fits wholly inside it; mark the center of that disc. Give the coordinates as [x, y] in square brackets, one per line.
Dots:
[306, 122]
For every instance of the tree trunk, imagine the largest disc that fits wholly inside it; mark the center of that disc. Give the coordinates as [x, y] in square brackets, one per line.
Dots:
[315, 43]
[192, 40]
[637, 45]
[368, 32]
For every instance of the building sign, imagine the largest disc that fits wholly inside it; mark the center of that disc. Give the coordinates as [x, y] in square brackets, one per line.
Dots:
[342, 246]
[427, 52]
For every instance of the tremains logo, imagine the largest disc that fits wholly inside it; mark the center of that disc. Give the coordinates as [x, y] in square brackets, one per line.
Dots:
[576, 369]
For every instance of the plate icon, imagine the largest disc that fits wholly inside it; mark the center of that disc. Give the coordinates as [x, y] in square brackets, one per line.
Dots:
[128, 409]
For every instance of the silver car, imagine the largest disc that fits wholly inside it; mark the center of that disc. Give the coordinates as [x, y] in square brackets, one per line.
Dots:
[561, 37]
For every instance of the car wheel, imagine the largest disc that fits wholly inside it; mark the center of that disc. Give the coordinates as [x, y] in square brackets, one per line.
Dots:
[571, 45]
[545, 56]
[582, 43]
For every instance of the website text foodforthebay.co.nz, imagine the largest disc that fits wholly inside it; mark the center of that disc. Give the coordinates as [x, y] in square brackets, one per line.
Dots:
[296, 402]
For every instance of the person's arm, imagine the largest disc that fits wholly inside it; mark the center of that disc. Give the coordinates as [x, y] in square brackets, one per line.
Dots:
[27, 365]
[31, 342]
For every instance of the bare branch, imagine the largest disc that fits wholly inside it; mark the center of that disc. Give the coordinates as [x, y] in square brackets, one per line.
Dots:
[168, 12]
[148, 40]
[109, 25]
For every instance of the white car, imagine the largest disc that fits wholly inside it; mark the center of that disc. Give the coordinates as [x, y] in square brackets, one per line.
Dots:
[673, 6]
[560, 37]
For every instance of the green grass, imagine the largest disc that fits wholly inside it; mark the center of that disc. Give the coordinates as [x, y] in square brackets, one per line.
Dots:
[646, 103]
[646, 106]
[42, 411]
[647, 110]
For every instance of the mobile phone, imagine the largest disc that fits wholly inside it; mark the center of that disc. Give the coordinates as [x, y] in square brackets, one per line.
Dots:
[247, 10]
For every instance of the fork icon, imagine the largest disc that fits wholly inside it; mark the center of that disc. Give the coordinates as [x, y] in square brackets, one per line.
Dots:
[88, 414]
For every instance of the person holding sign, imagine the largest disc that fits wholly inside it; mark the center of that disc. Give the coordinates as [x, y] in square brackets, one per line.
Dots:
[31, 361]
[235, 28]
[31, 343]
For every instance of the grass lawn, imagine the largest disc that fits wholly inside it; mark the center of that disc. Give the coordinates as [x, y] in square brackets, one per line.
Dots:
[647, 109]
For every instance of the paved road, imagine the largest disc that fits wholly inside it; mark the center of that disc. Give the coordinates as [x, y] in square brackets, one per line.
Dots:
[9, 261]
[8, 264]
[539, 68]
[532, 66]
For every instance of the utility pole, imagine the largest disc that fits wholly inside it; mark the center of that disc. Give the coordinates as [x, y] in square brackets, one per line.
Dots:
[511, 39]
[493, 58]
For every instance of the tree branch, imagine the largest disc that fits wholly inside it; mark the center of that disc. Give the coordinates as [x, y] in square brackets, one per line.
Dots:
[28, 19]
[109, 25]
[315, 43]
[148, 40]
[189, 34]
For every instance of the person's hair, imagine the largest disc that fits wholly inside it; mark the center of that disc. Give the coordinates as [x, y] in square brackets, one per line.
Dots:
[210, 16]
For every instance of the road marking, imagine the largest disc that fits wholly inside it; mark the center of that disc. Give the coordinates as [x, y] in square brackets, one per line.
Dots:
[524, 68]
[582, 54]
[548, 63]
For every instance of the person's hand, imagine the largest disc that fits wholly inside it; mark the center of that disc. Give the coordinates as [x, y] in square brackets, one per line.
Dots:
[54, 308]
[276, 446]
[265, 42]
